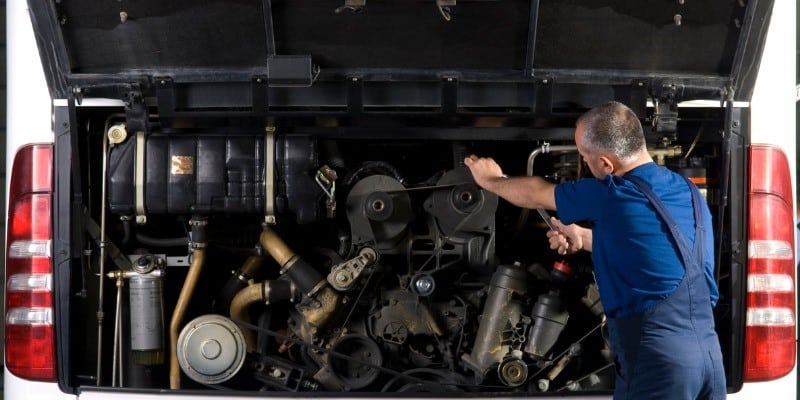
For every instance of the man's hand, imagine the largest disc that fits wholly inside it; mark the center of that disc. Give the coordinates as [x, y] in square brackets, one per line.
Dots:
[484, 170]
[568, 239]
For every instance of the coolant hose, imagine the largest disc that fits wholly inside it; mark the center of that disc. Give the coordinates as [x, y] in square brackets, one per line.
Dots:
[276, 247]
[265, 292]
[250, 267]
[161, 242]
[308, 281]
[238, 281]
[198, 259]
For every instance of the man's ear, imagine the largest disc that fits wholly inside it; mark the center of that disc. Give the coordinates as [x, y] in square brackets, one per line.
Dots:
[608, 165]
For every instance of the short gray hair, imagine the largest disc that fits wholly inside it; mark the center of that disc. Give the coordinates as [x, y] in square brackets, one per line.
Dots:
[612, 128]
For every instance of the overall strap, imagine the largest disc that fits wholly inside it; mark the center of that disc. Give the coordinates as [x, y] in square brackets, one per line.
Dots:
[661, 210]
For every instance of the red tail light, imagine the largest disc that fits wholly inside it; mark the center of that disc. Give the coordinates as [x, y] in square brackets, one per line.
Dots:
[769, 344]
[30, 337]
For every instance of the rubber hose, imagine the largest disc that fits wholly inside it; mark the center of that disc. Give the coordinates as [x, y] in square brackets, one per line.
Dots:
[161, 242]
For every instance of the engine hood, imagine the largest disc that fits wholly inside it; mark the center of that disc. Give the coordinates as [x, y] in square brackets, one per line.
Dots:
[360, 56]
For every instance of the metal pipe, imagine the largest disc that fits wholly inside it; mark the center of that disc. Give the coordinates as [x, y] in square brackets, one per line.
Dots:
[545, 148]
[239, 305]
[100, 313]
[265, 292]
[117, 332]
[198, 259]
[251, 267]
[121, 358]
[276, 247]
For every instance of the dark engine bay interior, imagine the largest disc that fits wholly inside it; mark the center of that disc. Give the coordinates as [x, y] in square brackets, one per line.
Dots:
[313, 259]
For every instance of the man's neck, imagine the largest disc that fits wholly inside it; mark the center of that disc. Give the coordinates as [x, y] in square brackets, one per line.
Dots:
[641, 159]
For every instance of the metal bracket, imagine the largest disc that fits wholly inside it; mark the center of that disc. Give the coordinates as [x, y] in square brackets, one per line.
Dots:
[344, 275]
[544, 97]
[638, 98]
[665, 113]
[354, 6]
[326, 179]
[136, 115]
[444, 8]
[450, 95]
[139, 179]
[136, 120]
[665, 117]
[269, 176]
[355, 95]
[173, 102]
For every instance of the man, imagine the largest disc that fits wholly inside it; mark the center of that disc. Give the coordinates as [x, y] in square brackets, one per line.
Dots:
[656, 283]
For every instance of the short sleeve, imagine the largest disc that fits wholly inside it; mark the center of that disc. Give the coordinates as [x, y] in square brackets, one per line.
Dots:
[581, 200]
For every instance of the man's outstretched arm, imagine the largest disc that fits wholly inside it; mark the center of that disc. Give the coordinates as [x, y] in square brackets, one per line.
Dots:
[524, 191]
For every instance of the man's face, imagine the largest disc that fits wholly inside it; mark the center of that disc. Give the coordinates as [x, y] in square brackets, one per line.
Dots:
[593, 161]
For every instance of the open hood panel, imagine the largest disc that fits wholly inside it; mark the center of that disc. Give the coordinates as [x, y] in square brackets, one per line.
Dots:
[284, 182]
[508, 46]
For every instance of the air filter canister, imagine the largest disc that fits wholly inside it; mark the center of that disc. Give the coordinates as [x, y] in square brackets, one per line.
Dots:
[211, 349]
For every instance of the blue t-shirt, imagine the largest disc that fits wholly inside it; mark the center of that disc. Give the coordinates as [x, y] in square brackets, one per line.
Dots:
[636, 262]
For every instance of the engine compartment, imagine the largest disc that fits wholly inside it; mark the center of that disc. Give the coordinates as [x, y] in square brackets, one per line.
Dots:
[299, 259]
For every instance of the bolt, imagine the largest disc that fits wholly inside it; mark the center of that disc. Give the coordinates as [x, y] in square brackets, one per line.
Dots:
[543, 385]
[117, 134]
[123, 17]
[423, 285]
[677, 19]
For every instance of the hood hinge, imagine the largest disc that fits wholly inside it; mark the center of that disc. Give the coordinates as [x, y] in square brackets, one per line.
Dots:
[136, 115]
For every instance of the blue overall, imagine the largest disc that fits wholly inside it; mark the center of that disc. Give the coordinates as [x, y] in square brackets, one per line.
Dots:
[671, 350]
